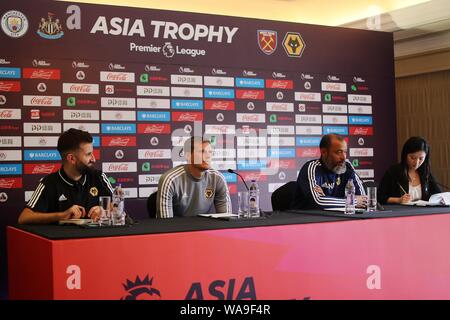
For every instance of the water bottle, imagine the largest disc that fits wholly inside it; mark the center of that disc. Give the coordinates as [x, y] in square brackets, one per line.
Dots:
[118, 201]
[350, 197]
[253, 200]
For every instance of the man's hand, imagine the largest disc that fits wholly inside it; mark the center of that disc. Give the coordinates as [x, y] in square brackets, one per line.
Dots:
[361, 201]
[74, 212]
[95, 213]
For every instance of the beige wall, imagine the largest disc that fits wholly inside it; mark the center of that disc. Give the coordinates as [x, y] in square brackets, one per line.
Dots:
[423, 106]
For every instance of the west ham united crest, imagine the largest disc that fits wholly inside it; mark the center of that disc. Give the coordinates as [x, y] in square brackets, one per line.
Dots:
[267, 41]
[209, 192]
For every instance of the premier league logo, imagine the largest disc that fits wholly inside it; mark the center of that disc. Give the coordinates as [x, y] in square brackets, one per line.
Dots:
[267, 41]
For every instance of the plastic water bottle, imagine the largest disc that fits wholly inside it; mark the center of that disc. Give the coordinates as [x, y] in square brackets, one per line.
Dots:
[350, 197]
[253, 199]
[118, 210]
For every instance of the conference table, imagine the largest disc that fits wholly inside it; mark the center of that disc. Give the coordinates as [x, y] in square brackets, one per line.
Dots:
[399, 253]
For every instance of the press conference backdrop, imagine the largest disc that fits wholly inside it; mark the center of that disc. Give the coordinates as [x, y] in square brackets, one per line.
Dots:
[141, 81]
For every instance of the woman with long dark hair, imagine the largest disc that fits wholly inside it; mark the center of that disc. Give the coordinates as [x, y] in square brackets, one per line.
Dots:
[411, 179]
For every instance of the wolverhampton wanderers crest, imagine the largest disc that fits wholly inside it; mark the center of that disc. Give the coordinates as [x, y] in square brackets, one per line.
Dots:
[93, 191]
[209, 192]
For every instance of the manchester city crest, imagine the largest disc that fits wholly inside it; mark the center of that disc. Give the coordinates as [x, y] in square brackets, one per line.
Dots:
[14, 24]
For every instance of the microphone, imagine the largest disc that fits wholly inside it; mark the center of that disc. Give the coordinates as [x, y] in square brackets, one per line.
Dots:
[232, 171]
[262, 213]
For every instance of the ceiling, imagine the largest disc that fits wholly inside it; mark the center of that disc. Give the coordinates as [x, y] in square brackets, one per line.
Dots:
[418, 25]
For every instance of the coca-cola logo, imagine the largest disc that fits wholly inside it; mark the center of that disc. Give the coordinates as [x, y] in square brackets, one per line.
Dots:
[153, 154]
[250, 117]
[116, 77]
[80, 88]
[6, 114]
[118, 167]
[42, 101]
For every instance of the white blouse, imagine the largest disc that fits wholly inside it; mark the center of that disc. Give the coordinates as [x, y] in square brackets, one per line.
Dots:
[415, 192]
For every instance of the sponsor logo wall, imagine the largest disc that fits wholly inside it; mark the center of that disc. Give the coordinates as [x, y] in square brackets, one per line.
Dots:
[144, 80]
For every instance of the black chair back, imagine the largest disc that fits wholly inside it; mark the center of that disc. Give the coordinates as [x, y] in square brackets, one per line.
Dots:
[282, 197]
[151, 205]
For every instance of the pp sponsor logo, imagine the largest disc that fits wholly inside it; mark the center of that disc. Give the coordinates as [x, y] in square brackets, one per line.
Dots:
[153, 91]
[87, 115]
[118, 102]
[10, 141]
[51, 127]
[186, 80]
[149, 179]
[359, 98]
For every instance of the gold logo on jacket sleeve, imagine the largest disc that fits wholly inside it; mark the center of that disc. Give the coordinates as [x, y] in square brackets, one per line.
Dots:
[209, 192]
[93, 191]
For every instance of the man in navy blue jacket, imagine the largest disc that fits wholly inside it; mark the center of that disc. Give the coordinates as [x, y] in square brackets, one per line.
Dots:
[321, 183]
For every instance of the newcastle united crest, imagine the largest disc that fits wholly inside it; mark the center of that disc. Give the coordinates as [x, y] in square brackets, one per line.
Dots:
[50, 28]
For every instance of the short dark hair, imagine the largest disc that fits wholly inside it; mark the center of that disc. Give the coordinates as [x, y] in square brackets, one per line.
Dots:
[325, 142]
[71, 139]
[189, 144]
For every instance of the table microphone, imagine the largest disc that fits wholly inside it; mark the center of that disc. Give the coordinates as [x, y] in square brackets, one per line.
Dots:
[232, 171]
[262, 213]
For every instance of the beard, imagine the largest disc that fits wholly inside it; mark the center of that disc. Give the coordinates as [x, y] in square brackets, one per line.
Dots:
[336, 168]
[340, 168]
[83, 168]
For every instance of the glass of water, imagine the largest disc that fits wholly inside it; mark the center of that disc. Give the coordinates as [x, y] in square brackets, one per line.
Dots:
[243, 204]
[371, 199]
[105, 206]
